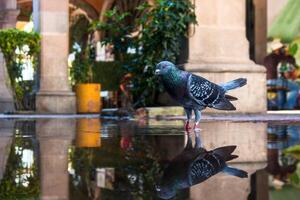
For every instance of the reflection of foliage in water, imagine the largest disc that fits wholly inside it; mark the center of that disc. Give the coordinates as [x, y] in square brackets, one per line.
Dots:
[293, 152]
[80, 182]
[141, 171]
[14, 185]
[136, 170]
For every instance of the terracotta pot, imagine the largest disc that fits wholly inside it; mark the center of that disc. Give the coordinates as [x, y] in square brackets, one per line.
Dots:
[88, 98]
[88, 133]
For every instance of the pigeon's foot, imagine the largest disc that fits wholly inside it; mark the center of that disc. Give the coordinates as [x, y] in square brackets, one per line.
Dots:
[187, 126]
[197, 126]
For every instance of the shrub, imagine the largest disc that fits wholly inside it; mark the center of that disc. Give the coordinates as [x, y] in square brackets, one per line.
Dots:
[15, 46]
[161, 29]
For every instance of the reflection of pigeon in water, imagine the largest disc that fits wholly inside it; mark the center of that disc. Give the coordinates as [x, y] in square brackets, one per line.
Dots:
[195, 165]
[194, 92]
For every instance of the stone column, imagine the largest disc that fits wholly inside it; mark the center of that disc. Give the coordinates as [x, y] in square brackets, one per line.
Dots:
[54, 137]
[219, 51]
[260, 30]
[8, 19]
[55, 95]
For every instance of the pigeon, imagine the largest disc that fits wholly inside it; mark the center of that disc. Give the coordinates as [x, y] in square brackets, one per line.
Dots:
[195, 165]
[195, 93]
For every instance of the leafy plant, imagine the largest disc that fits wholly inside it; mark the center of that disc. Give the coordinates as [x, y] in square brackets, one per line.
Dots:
[293, 151]
[293, 48]
[15, 46]
[161, 28]
[117, 32]
[81, 70]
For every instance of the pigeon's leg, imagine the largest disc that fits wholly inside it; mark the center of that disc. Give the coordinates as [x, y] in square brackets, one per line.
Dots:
[197, 118]
[188, 112]
[198, 143]
[189, 143]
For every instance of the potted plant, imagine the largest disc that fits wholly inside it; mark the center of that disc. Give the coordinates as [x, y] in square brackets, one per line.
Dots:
[87, 93]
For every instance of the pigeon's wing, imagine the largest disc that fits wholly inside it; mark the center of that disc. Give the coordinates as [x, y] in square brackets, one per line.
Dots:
[179, 166]
[203, 91]
[206, 93]
[205, 166]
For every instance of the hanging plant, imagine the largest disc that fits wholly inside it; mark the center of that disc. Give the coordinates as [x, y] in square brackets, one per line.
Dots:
[17, 45]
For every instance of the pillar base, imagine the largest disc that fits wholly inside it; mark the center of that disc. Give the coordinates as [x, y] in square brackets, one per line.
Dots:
[60, 102]
[252, 97]
[7, 106]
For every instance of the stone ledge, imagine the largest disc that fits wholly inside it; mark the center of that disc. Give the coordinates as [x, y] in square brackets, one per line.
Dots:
[55, 93]
[250, 67]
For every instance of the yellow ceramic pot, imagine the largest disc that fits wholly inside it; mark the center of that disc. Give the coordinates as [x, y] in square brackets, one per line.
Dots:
[88, 98]
[88, 133]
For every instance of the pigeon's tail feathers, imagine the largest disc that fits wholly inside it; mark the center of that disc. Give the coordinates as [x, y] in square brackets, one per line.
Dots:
[225, 152]
[240, 82]
[224, 104]
[235, 172]
[230, 98]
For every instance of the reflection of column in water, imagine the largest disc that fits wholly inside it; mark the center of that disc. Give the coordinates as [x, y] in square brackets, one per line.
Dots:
[88, 132]
[250, 139]
[54, 137]
[278, 165]
[277, 136]
[6, 135]
[283, 136]
[294, 135]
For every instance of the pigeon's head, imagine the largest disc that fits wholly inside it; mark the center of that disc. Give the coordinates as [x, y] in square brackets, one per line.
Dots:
[164, 67]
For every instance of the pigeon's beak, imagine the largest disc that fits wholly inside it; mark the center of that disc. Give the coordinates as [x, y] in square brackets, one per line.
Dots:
[157, 72]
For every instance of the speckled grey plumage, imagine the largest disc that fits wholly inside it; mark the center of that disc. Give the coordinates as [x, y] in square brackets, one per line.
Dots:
[194, 92]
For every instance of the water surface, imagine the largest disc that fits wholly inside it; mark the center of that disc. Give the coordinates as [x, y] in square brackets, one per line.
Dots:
[81, 159]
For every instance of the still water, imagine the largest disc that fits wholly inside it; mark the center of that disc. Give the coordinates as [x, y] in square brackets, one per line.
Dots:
[81, 159]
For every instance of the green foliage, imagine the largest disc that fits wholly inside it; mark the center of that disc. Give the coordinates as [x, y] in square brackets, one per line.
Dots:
[108, 74]
[161, 28]
[79, 31]
[293, 151]
[80, 70]
[82, 67]
[295, 178]
[16, 45]
[117, 32]
[293, 48]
